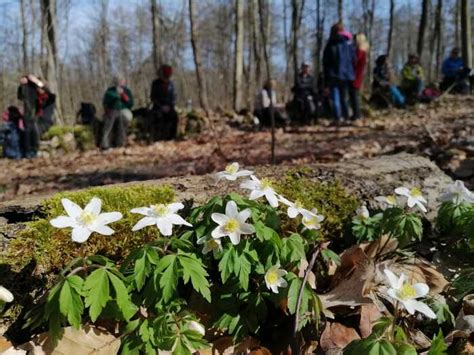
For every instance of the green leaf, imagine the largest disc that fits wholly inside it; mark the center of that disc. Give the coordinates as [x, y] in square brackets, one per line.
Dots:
[404, 349]
[70, 302]
[328, 255]
[293, 248]
[96, 290]
[464, 283]
[245, 268]
[443, 313]
[438, 345]
[181, 348]
[226, 264]
[293, 294]
[168, 271]
[140, 271]
[122, 297]
[193, 270]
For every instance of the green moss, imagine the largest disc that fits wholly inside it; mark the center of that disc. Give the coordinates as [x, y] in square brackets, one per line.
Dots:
[51, 248]
[330, 198]
[83, 135]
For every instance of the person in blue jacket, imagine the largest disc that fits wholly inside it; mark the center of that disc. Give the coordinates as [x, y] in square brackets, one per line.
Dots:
[338, 64]
[455, 73]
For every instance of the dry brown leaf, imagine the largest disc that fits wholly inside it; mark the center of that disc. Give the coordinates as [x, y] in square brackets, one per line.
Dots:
[369, 313]
[87, 340]
[336, 335]
[4, 344]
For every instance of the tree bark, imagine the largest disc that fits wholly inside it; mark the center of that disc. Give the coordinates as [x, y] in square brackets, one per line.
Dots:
[435, 43]
[155, 22]
[422, 27]
[197, 57]
[24, 42]
[319, 40]
[239, 54]
[294, 38]
[466, 33]
[49, 14]
[390, 28]
[340, 12]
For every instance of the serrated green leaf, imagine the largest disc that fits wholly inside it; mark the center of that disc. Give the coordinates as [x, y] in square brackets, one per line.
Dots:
[438, 345]
[193, 270]
[245, 268]
[96, 291]
[293, 248]
[167, 269]
[70, 301]
[122, 297]
[139, 270]
[225, 264]
[293, 294]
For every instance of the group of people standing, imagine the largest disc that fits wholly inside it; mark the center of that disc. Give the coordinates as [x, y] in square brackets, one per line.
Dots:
[22, 130]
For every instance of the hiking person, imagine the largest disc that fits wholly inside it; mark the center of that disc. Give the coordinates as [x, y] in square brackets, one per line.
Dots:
[304, 95]
[118, 101]
[338, 64]
[413, 77]
[262, 106]
[164, 123]
[384, 82]
[455, 73]
[11, 133]
[362, 47]
[27, 93]
[45, 108]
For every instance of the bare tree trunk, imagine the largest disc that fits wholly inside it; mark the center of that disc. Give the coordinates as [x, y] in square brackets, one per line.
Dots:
[456, 22]
[257, 48]
[390, 28]
[368, 10]
[435, 44]
[155, 22]
[197, 58]
[466, 32]
[49, 13]
[33, 62]
[24, 42]
[422, 27]
[239, 54]
[319, 40]
[269, 76]
[297, 7]
[340, 7]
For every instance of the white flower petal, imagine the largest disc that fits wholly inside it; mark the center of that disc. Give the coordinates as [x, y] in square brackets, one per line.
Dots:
[80, 234]
[197, 327]
[410, 305]
[282, 283]
[63, 222]
[178, 220]
[165, 227]
[144, 222]
[274, 288]
[271, 198]
[234, 238]
[242, 216]
[231, 209]
[292, 212]
[392, 278]
[243, 173]
[141, 210]
[71, 208]
[402, 191]
[218, 232]
[246, 228]
[175, 207]
[202, 240]
[421, 289]
[5, 295]
[108, 217]
[255, 194]
[392, 294]
[102, 229]
[94, 206]
[423, 308]
[219, 218]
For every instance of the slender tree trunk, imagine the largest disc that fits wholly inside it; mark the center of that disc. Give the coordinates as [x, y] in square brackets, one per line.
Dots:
[257, 48]
[390, 28]
[24, 42]
[49, 13]
[422, 27]
[457, 16]
[435, 42]
[269, 75]
[319, 40]
[197, 57]
[155, 22]
[466, 32]
[33, 61]
[239, 54]
[340, 12]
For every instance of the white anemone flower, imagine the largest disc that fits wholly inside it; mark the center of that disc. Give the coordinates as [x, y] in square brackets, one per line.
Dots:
[261, 188]
[232, 172]
[232, 223]
[85, 221]
[274, 278]
[197, 327]
[161, 215]
[407, 294]
[457, 193]
[362, 212]
[387, 201]
[210, 244]
[414, 196]
[5, 295]
[294, 208]
[312, 220]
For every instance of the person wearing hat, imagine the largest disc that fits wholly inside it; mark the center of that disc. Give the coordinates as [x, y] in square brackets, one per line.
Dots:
[455, 73]
[305, 96]
[117, 102]
[413, 77]
[164, 123]
[27, 93]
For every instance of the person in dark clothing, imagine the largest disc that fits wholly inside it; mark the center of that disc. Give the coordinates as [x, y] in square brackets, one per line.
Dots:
[28, 94]
[338, 64]
[305, 97]
[87, 116]
[455, 73]
[118, 101]
[11, 133]
[45, 108]
[263, 109]
[164, 120]
[384, 82]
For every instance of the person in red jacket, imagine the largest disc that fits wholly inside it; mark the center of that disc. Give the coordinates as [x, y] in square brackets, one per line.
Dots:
[362, 47]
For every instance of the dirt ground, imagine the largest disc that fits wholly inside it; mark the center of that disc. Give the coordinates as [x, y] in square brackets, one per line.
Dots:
[442, 131]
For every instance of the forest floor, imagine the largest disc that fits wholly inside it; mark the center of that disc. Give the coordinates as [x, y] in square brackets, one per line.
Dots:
[442, 131]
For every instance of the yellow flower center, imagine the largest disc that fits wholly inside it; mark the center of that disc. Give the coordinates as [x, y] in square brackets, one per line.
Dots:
[407, 291]
[265, 183]
[298, 204]
[87, 217]
[313, 221]
[160, 210]
[391, 200]
[231, 226]
[212, 244]
[231, 168]
[272, 277]
[415, 192]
